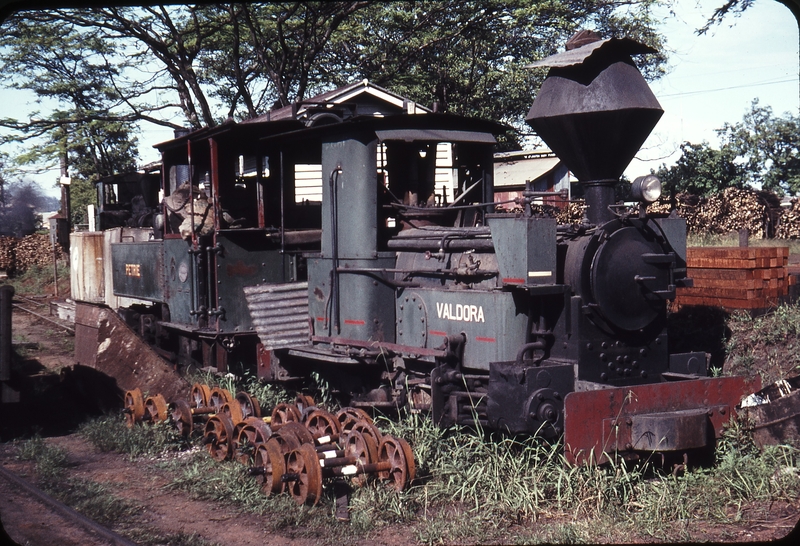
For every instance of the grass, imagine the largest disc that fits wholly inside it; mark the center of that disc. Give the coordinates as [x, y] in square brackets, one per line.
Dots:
[110, 433]
[476, 488]
[268, 396]
[92, 499]
[766, 345]
[38, 280]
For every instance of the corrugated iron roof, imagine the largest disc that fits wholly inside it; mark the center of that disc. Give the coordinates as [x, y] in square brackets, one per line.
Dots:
[579, 55]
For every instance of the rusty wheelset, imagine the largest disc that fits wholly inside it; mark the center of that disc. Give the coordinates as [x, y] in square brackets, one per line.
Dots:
[293, 450]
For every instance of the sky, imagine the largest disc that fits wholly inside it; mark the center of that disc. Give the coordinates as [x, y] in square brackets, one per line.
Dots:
[712, 80]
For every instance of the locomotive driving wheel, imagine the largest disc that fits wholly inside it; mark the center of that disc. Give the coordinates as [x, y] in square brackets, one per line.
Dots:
[398, 454]
[348, 416]
[269, 460]
[181, 415]
[304, 401]
[134, 407]
[303, 475]
[233, 410]
[368, 429]
[218, 436]
[285, 442]
[155, 409]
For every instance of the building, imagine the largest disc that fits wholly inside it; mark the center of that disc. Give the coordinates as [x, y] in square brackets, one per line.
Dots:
[542, 168]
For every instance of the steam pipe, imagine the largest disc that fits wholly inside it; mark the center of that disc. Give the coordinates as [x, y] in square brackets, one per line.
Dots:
[528, 347]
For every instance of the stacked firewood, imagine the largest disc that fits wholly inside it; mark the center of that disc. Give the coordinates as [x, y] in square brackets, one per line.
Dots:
[733, 209]
[7, 245]
[789, 225]
[21, 254]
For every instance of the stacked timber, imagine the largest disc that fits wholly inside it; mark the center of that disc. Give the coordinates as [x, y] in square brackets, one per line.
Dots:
[751, 278]
[21, 254]
[7, 245]
[733, 209]
[789, 227]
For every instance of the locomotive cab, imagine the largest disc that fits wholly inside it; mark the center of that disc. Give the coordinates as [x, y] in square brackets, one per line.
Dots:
[229, 220]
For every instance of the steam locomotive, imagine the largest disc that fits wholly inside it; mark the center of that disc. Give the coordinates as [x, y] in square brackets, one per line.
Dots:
[398, 294]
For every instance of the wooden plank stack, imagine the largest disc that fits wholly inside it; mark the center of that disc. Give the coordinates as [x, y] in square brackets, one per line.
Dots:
[752, 278]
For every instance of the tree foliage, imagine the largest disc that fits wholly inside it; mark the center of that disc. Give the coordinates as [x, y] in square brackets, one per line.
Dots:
[210, 62]
[70, 67]
[769, 147]
[702, 170]
[763, 150]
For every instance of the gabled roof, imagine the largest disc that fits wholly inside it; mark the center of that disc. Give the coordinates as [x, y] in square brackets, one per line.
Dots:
[513, 168]
[361, 93]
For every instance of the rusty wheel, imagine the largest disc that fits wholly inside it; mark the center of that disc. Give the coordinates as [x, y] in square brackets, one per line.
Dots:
[218, 436]
[304, 401]
[397, 452]
[285, 413]
[155, 409]
[181, 416]
[304, 475]
[321, 423]
[233, 410]
[269, 458]
[368, 429]
[250, 406]
[199, 395]
[219, 397]
[298, 431]
[363, 448]
[246, 435]
[285, 442]
[347, 417]
[134, 407]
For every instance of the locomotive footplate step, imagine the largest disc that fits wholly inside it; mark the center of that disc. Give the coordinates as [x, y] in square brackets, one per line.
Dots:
[659, 417]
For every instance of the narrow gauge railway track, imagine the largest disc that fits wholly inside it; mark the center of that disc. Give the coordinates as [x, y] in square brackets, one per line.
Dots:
[97, 533]
[37, 309]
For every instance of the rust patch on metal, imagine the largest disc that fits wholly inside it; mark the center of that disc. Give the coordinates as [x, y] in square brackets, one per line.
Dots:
[103, 341]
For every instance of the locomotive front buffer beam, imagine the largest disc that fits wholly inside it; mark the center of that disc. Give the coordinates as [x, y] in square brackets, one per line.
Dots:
[670, 419]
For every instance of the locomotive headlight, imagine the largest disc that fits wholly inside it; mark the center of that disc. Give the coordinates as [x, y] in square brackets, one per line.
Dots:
[646, 189]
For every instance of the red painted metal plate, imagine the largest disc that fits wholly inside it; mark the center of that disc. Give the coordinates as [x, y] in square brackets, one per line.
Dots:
[595, 422]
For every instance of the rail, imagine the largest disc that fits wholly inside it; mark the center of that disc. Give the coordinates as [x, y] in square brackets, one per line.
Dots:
[64, 510]
[20, 305]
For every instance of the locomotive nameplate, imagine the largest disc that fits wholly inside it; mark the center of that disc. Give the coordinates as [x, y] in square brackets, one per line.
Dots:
[463, 313]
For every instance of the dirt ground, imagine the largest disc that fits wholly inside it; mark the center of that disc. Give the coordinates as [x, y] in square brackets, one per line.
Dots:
[59, 407]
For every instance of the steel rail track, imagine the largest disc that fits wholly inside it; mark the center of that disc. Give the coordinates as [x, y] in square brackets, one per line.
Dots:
[69, 330]
[64, 510]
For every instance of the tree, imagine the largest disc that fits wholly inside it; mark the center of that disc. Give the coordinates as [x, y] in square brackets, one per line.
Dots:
[702, 170]
[768, 146]
[249, 57]
[760, 151]
[468, 56]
